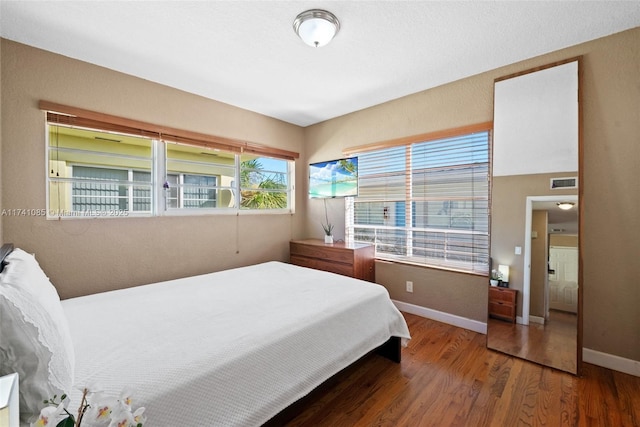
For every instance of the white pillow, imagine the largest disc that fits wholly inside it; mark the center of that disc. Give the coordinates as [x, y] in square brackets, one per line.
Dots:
[34, 337]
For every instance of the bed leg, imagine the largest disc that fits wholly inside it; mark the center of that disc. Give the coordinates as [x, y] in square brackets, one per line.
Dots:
[391, 349]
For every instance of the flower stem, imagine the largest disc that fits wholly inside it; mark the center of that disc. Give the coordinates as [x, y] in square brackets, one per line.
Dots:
[326, 214]
[83, 407]
[328, 227]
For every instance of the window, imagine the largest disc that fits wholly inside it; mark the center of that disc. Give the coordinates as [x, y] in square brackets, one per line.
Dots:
[426, 202]
[198, 177]
[199, 191]
[264, 183]
[98, 173]
[96, 189]
[191, 191]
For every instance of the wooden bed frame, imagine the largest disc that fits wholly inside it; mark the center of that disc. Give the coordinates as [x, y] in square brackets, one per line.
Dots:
[392, 350]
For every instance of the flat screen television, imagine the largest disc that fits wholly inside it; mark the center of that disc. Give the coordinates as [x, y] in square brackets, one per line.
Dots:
[334, 178]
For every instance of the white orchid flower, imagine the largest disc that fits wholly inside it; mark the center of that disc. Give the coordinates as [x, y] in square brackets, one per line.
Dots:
[121, 416]
[99, 411]
[126, 397]
[138, 416]
[50, 416]
[89, 388]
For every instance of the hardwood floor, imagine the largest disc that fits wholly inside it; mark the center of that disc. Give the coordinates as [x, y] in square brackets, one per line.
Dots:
[553, 344]
[449, 378]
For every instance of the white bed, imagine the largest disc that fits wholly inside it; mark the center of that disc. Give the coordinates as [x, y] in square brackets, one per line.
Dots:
[232, 348]
[563, 296]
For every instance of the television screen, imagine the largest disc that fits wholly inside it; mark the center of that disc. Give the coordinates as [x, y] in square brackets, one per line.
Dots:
[334, 178]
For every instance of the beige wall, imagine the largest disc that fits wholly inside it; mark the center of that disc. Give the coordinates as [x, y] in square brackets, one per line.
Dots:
[611, 117]
[439, 290]
[91, 255]
[566, 240]
[539, 266]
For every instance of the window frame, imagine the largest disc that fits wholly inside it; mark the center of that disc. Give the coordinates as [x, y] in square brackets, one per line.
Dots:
[159, 168]
[180, 184]
[130, 184]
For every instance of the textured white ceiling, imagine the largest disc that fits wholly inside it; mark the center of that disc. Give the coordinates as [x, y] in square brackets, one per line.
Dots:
[563, 222]
[246, 54]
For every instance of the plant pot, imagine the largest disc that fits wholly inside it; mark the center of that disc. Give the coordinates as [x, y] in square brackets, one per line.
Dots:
[328, 239]
[493, 282]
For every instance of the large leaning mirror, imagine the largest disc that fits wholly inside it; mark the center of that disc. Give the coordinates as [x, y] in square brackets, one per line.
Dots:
[534, 312]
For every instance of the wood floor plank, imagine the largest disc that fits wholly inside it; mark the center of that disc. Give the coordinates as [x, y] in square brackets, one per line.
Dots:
[497, 371]
[466, 381]
[551, 405]
[449, 378]
[465, 396]
[628, 398]
[508, 406]
[569, 408]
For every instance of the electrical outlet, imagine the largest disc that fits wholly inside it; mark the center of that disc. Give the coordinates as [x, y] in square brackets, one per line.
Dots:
[409, 286]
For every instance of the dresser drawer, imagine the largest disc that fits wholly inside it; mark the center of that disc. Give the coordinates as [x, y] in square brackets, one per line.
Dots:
[503, 311]
[350, 259]
[319, 264]
[321, 252]
[504, 295]
[502, 303]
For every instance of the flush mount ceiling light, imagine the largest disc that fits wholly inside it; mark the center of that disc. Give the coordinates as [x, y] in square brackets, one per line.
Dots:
[565, 206]
[316, 27]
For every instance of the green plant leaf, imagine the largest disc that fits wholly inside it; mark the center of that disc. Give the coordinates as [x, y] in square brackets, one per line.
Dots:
[67, 422]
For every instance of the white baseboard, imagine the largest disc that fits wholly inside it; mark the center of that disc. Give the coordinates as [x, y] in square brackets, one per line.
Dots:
[536, 319]
[532, 319]
[611, 361]
[440, 316]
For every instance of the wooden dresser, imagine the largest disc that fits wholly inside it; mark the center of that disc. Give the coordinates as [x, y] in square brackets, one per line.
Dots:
[354, 259]
[502, 303]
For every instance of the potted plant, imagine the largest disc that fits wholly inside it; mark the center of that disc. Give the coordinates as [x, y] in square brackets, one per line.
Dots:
[327, 227]
[496, 277]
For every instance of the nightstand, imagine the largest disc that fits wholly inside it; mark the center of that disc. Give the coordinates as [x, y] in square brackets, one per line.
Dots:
[502, 303]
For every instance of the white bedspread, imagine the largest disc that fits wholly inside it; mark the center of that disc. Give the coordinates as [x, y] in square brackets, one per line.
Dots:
[231, 348]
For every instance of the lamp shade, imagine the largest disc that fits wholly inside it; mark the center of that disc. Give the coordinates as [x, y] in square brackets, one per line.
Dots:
[504, 272]
[316, 27]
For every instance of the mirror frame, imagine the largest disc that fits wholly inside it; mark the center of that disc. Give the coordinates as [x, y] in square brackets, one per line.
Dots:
[528, 211]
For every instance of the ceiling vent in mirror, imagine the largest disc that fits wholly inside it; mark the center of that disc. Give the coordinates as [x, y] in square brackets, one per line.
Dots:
[571, 182]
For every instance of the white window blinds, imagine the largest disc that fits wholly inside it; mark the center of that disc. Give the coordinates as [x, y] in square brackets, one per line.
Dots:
[426, 202]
